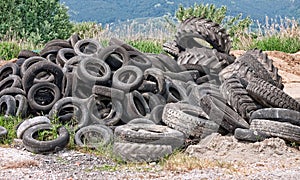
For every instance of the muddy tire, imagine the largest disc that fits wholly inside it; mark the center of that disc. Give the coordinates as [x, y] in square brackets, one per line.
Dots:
[206, 30]
[136, 152]
[249, 135]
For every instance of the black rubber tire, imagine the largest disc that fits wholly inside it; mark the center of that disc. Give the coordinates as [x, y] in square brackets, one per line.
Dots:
[238, 98]
[26, 54]
[21, 105]
[35, 69]
[139, 60]
[81, 117]
[30, 61]
[222, 114]
[127, 78]
[137, 152]
[154, 100]
[64, 55]
[20, 61]
[67, 84]
[271, 96]
[284, 130]
[210, 60]
[189, 119]
[171, 48]
[72, 64]
[156, 63]
[247, 67]
[141, 121]
[149, 134]
[13, 91]
[33, 145]
[87, 47]
[58, 42]
[109, 92]
[157, 76]
[277, 114]
[50, 50]
[9, 69]
[3, 133]
[204, 29]
[93, 70]
[42, 96]
[8, 105]
[175, 92]
[249, 135]
[115, 56]
[110, 117]
[11, 81]
[196, 92]
[118, 42]
[169, 63]
[94, 136]
[28, 123]
[135, 106]
[156, 114]
[268, 64]
[73, 39]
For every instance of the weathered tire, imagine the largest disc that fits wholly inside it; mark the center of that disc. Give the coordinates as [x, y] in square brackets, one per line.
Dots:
[139, 60]
[171, 48]
[30, 61]
[191, 120]
[127, 78]
[157, 76]
[64, 55]
[249, 135]
[140, 121]
[222, 114]
[115, 56]
[9, 69]
[277, 114]
[93, 136]
[238, 98]
[21, 105]
[175, 92]
[26, 54]
[271, 96]
[268, 64]
[35, 69]
[149, 134]
[87, 47]
[28, 123]
[282, 130]
[3, 132]
[247, 67]
[206, 30]
[33, 145]
[8, 105]
[137, 152]
[11, 81]
[93, 70]
[210, 60]
[42, 96]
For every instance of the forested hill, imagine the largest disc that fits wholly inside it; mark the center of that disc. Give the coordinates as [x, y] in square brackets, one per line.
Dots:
[109, 11]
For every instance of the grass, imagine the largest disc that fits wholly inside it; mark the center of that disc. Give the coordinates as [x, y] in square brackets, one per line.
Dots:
[10, 124]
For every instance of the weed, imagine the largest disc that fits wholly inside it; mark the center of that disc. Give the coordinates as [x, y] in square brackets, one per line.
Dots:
[10, 123]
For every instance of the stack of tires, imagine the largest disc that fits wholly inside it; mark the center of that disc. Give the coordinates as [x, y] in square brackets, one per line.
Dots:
[146, 105]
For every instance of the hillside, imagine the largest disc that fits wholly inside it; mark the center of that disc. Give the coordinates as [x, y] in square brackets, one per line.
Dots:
[110, 11]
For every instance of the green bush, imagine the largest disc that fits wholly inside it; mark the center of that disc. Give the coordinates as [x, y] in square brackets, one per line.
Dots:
[147, 46]
[34, 20]
[9, 50]
[276, 43]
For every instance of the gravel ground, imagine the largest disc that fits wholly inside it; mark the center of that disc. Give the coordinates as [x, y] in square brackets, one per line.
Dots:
[270, 159]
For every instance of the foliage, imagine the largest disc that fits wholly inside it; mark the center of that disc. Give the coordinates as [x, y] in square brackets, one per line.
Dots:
[147, 46]
[34, 20]
[9, 50]
[10, 124]
[86, 29]
[208, 11]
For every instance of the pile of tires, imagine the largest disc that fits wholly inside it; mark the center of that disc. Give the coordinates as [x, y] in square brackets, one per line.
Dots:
[146, 105]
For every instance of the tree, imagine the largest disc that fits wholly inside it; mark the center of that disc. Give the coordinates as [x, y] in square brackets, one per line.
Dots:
[34, 20]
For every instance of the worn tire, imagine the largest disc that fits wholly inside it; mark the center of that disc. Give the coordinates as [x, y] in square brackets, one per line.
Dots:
[87, 47]
[271, 96]
[28, 123]
[249, 135]
[137, 152]
[8, 105]
[33, 145]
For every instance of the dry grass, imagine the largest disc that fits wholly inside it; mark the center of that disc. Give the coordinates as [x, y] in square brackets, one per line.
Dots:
[20, 164]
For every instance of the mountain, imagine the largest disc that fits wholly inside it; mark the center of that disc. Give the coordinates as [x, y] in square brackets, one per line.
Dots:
[111, 11]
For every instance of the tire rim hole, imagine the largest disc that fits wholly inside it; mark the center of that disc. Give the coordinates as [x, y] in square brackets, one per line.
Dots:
[44, 96]
[88, 48]
[139, 106]
[175, 93]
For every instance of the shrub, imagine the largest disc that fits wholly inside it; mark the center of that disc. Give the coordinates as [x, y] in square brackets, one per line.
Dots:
[147, 46]
[9, 50]
[276, 43]
[34, 20]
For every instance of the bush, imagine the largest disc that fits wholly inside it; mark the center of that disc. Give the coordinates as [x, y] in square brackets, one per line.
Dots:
[147, 46]
[276, 43]
[34, 20]
[9, 50]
